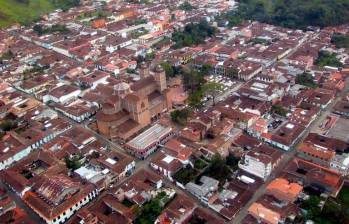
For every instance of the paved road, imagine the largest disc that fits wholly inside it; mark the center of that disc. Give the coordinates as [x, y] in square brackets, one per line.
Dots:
[22, 205]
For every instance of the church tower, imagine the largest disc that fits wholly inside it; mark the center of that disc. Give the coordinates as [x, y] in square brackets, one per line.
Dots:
[160, 78]
[144, 70]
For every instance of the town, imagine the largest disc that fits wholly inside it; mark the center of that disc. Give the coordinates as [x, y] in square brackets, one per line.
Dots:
[172, 112]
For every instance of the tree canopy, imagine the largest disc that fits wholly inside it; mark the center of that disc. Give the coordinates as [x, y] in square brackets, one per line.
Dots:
[180, 116]
[212, 89]
[295, 13]
[328, 59]
[340, 40]
[306, 79]
[186, 6]
[193, 34]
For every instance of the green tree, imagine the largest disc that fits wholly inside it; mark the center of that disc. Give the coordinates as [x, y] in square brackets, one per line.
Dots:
[296, 13]
[8, 125]
[193, 34]
[340, 40]
[73, 162]
[306, 79]
[169, 70]
[180, 116]
[8, 55]
[212, 89]
[186, 6]
[327, 59]
[38, 29]
[279, 110]
[151, 210]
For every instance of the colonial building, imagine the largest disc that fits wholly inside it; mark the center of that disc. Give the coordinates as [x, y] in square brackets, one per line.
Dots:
[131, 108]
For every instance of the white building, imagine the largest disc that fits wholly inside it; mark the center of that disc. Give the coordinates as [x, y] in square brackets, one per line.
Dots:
[256, 164]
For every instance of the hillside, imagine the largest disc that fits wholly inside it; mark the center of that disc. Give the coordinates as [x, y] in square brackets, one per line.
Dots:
[26, 11]
[296, 13]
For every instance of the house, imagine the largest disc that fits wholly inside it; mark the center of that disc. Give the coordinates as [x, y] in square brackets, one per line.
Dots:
[204, 190]
[270, 210]
[148, 141]
[108, 209]
[48, 198]
[62, 94]
[341, 108]
[285, 136]
[179, 211]
[140, 187]
[166, 164]
[315, 153]
[260, 161]
[284, 190]
[315, 176]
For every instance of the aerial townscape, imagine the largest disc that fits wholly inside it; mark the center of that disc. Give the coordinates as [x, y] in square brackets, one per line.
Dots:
[174, 111]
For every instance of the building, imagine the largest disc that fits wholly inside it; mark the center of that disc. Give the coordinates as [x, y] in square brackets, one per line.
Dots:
[131, 108]
[204, 190]
[140, 188]
[285, 136]
[166, 164]
[260, 161]
[268, 209]
[284, 190]
[179, 211]
[49, 198]
[315, 153]
[108, 209]
[148, 141]
[62, 94]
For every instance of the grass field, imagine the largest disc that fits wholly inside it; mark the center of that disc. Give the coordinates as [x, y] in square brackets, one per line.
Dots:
[11, 11]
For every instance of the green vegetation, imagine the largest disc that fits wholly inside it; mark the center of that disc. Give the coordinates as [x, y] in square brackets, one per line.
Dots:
[180, 116]
[8, 55]
[95, 14]
[164, 40]
[34, 71]
[169, 69]
[212, 89]
[185, 175]
[340, 40]
[193, 34]
[140, 32]
[195, 99]
[233, 18]
[260, 41]
[196, 84]
[127, 203]
[327, 59]
[335, 210]
[73, 162]
[295, 13]
[27, 11]
[200, 164]
[57, 28]
[306, 79]
[151, 210]
[277, 109]
[135, 22]
[232, 162]
[186, 6]
[218, 169]
[8, 125]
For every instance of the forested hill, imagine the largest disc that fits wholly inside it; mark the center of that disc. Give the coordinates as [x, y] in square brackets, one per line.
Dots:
[296, 13]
